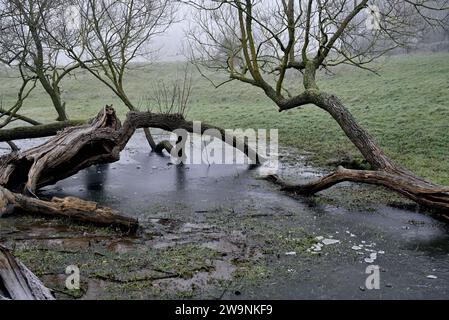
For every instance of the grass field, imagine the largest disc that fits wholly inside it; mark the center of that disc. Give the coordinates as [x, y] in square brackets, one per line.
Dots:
[406, 109]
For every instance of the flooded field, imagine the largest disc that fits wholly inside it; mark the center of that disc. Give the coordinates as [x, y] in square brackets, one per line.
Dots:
[220, 232]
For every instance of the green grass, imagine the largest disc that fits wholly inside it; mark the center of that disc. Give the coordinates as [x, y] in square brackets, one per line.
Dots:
[406, 109]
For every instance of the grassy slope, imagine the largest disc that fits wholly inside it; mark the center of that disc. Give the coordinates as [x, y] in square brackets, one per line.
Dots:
[406, 109]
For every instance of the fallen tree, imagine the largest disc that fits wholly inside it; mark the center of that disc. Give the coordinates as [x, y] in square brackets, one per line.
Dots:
[101, 141]
[416, 189]
[17, 282]
[72, 208]
[76, 148]
[265, 45]
[384, 171]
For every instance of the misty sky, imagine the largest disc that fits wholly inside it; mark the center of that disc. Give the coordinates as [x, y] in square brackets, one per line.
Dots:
[171, 43]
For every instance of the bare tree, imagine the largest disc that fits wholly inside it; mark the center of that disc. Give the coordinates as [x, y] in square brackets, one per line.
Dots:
[24, 43]
[11, 114]
[263, 40]
[111, 35]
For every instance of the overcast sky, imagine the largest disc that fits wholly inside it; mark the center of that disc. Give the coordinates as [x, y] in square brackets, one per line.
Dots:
[171, 43]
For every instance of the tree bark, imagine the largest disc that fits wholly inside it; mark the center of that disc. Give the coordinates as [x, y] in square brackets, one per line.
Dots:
[50, 86]
[59, 106]
[385, 172]
[72, 208]
[122, 95]
[13, 146]
[37, 131]
[416, 189]
[150, 138]
[17, 282]
[359, 136]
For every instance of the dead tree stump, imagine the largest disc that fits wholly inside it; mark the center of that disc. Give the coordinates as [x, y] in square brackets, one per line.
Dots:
[17, 282]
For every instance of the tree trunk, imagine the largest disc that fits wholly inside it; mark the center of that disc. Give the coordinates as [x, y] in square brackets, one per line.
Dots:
[38, 131]
[359, 136]
[17, 282]
[19, 117]
[77, 148]
[150, 138]
[51, 88]
[72, 208]
[59, 105]
[385, 172]
[122, 95]
[13, 146]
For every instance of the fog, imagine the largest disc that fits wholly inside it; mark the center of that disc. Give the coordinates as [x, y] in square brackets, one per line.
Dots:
[171, 45]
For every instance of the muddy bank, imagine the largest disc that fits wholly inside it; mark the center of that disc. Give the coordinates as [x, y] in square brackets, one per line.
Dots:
[221, 232]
